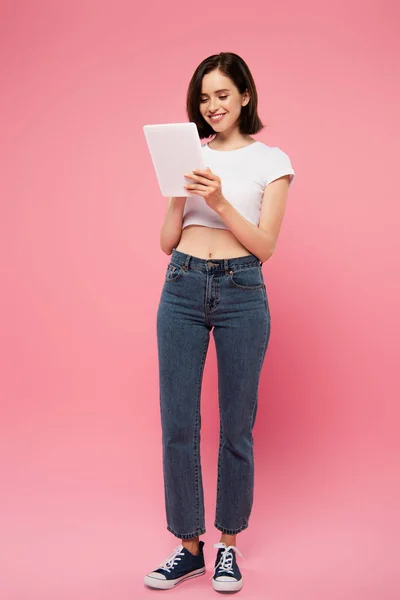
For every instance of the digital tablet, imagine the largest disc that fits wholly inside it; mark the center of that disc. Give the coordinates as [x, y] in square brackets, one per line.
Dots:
[175, 149]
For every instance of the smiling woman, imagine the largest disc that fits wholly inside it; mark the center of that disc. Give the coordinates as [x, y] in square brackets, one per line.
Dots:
[218, 236]
[232, 210]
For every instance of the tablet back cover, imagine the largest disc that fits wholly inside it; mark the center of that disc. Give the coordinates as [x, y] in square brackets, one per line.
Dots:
[175, 149]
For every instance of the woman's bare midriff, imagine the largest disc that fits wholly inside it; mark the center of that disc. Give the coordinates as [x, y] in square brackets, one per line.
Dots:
[210, 242]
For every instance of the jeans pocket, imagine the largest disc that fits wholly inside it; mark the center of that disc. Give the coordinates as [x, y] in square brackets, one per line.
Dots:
[249, 278]
[174, 272]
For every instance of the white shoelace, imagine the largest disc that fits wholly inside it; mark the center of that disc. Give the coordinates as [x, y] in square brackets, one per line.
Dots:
[226, 559]
[172, 559]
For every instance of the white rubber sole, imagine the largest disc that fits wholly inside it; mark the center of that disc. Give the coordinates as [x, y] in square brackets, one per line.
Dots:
[227, 586]
[167, 584]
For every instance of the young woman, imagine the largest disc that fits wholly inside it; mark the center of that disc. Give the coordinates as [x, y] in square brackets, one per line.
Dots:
[219, 237]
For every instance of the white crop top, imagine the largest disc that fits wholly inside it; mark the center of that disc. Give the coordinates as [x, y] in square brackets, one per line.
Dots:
[244, 173]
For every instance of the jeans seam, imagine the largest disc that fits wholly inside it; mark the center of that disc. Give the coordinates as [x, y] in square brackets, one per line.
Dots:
[266, 337]
[196, 448]
[219, 464]
[266, 301]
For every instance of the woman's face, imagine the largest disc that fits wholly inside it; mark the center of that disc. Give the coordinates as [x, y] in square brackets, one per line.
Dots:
[220, 96]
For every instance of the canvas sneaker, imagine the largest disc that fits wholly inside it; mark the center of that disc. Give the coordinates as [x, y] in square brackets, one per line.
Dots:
[180, 566]
[227, 576]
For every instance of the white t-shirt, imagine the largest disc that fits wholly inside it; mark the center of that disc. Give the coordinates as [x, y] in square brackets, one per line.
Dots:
[244, 173]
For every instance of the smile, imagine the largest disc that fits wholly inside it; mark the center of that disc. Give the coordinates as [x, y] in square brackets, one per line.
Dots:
[217, 117]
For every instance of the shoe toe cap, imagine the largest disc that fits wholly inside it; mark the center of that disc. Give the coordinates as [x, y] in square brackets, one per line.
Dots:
[156, 575]
[225, 578]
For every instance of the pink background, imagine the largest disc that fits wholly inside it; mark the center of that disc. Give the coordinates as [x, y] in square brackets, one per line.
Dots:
[82, 505]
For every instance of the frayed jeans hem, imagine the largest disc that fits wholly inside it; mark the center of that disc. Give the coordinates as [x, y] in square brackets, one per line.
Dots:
[187, 536]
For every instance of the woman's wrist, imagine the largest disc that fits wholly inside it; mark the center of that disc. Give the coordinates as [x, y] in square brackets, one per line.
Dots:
[178, 200]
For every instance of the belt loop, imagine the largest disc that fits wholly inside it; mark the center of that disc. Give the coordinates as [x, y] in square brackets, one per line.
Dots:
[187, 261]
[226, 267]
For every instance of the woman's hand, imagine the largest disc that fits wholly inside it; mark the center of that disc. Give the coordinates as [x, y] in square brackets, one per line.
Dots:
[207, 185]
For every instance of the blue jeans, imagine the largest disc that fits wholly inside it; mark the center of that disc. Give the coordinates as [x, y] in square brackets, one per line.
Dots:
[227, 296]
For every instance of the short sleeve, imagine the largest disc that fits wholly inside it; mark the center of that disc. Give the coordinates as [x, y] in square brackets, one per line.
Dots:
[279, 165]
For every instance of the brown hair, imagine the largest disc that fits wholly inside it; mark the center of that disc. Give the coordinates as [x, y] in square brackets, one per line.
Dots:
[234, 67]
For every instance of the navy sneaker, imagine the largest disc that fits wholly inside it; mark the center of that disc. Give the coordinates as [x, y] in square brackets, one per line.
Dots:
[180, 566]
[227, 576]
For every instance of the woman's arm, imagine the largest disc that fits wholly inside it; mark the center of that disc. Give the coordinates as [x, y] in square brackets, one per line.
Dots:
[261, 240]
[171, 230]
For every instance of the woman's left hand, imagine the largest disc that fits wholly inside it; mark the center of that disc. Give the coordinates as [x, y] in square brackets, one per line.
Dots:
[207, 185]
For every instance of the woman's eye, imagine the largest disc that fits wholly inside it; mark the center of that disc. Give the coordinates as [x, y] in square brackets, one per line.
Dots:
[220, 97]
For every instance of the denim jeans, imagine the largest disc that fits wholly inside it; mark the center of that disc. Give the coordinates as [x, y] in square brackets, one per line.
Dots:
[229, 298]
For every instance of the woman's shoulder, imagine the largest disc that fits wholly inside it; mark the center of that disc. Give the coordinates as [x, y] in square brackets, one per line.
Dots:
[269, 149]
